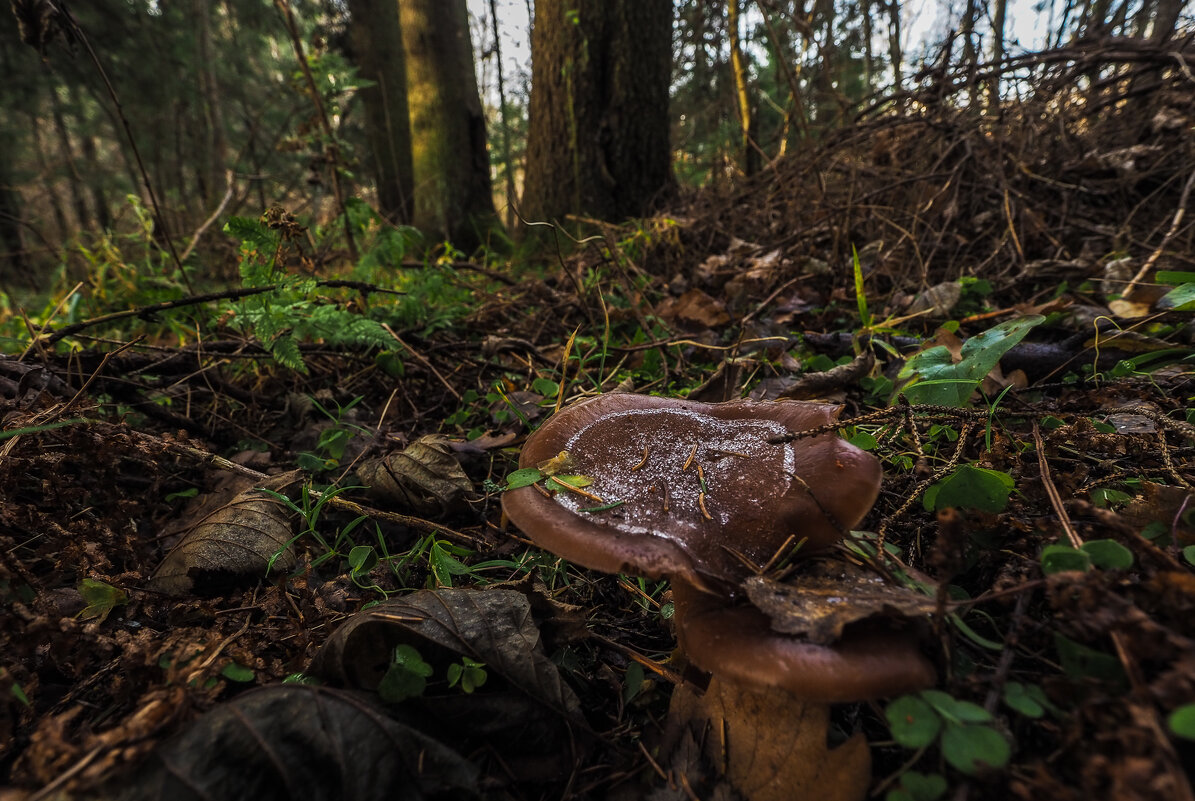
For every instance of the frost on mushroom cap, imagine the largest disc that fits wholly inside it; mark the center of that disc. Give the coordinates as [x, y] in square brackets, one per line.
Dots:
[693, 483]
[737, 644]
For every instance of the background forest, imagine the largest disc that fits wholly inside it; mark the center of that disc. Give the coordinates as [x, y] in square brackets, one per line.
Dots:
[297, 297]
[191, 111]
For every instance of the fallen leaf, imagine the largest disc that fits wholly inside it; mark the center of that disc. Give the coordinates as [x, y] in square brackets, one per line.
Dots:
[425, 477]
[827, 596]
[247, 536]
[694, 309]
[300, 742]
[530, 717]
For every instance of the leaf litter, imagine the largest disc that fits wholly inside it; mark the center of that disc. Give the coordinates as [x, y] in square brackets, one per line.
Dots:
[1108, 653]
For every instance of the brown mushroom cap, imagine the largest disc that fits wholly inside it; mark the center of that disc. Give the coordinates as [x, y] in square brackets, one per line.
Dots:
[737, 644]
[694, 483]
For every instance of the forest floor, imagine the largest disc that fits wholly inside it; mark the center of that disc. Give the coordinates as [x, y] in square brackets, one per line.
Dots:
[146, 654]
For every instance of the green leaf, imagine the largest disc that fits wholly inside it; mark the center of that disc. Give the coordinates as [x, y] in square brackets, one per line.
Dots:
[1028, 699]
[1079, 661]
[301, 678]
[1174, 277]
[234, 672]
[915, 786]
[860, 292]
[632, 682]
[1182, 721]
[1189, 554]
[545, 386]
[954, 710]
[575, 481]
[1179, 299]
[523, 478]
[252, 233]
[101, 599]
[17, 432]
[972, 487]
[1109, 497]
[18, 692]
[971, 748]
[974, 636]
[469, 673]
[362, 559]
[444, 565]
[1061, 558]
[913, 722]
[863, 441]
[187, 493]
[406, 677]
[1108, 554]
[936, 378]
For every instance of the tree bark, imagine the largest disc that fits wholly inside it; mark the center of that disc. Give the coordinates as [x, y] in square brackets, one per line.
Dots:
[74, 180]
[508, 167]
[452, 170]
[376, 36]
[742, 92]
[598, 138]
[997, 51]
[895, 54]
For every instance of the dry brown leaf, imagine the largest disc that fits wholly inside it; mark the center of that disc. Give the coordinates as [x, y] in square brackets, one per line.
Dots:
[829, 595]
[695, 309]
[772, 746]
[244, 537]
[1160, 503]
[425, 477]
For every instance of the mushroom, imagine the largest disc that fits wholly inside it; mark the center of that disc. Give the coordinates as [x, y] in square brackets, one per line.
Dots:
[767, 707]
[706, 492]
[709, 495]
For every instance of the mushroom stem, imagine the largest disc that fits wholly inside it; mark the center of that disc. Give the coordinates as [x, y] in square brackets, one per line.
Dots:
[771, 745]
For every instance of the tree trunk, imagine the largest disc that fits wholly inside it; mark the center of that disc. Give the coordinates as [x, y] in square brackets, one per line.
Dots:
[894, 50]
[598, 138]
[742, 92]
[1166, 19]
[452, 169]
[508, 167]
[826, 106]
[49, 180]
[376, 36]
[970, 52]
[997, 51]
[74, 180]
[13, 259]
[211, 108]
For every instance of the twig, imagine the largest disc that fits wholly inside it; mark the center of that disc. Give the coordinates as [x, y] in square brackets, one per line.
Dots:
[1043, 467]
[1157, 253]
[208, 222]
[422, 360]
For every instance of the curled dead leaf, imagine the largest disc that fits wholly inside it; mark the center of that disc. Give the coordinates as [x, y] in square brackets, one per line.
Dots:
[295, 741]
[245, 537]
[526, 713]
[425, 477]
[829, 595]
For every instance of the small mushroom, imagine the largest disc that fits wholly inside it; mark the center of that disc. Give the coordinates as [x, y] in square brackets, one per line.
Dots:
[708, 492]
[768, 702]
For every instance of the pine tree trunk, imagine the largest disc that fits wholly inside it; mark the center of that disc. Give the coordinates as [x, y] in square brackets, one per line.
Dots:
[377, 50]
[448, 141]
[598, 138]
